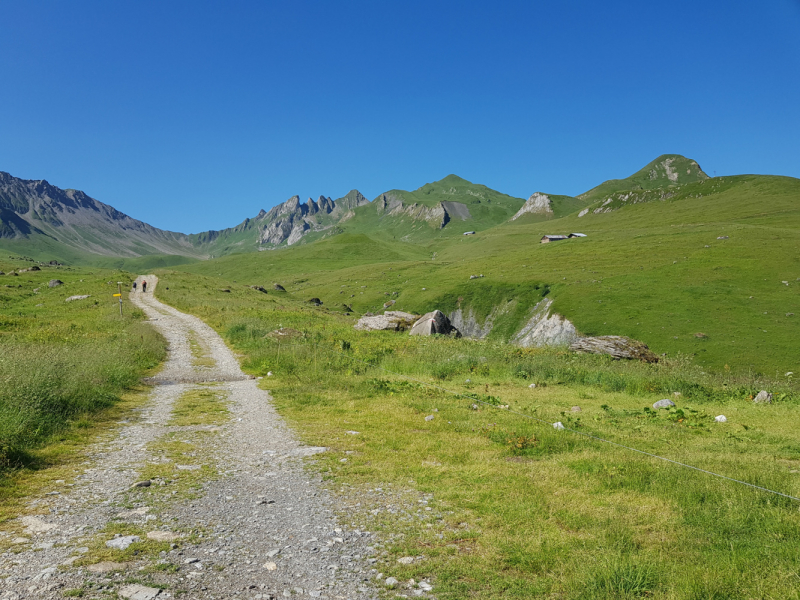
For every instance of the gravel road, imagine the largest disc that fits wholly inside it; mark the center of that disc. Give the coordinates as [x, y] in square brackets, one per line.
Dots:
[261, 526]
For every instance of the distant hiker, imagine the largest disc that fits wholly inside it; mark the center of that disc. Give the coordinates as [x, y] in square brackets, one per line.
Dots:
[134, 286]
[144, 287]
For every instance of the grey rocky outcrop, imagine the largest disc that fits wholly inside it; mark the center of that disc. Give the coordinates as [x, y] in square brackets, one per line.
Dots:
[545, 329]
[391, 320]
[54, 283]
[665, 403]
[290, 221]
[434, 322]
[616, 346]
[537, 204]
[393, 205]
[278, 287]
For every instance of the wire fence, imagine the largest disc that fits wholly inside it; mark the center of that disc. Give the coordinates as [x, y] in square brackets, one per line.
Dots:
[475, 399]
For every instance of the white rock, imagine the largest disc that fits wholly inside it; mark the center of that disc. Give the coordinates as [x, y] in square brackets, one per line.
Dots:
[558, 426]
[122, 542]
[270, 566]
[721, 419]
[665, 403]
[429, 418]
[138, 592]
[763, 397]
[406, 560]
[390, 582]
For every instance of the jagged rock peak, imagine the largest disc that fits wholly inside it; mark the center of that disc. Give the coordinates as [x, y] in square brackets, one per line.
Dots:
[353, 199]
[538, 203]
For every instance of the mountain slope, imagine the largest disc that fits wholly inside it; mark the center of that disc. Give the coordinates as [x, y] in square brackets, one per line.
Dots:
[665, 171]
[441, 209]
[41, 215]
[657, 272]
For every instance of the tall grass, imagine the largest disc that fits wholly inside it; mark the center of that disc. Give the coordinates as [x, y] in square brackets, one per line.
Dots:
[45, 386]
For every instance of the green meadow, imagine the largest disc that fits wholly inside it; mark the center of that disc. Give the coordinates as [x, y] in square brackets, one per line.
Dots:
[496, 501]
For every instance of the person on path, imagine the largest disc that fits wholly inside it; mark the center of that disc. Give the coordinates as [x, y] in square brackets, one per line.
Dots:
[144, 287]
[134, 287]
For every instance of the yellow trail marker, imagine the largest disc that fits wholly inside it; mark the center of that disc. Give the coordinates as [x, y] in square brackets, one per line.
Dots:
[117, 295]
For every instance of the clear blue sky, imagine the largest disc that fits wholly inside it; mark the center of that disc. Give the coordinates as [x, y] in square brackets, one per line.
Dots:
[195, 115]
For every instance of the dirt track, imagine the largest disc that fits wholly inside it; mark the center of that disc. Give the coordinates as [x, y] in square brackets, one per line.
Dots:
[261, 526]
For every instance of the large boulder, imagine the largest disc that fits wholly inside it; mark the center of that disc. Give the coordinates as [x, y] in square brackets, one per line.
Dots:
[55, 283]
[616, 346]
[434, 322]
[391, 320]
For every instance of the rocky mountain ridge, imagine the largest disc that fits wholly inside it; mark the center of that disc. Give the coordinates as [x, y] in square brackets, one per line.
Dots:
[39, 218]
[35, 207]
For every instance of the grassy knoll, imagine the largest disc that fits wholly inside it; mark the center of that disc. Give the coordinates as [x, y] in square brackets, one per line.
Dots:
[653, 271]
[502, 506]
[61, 362]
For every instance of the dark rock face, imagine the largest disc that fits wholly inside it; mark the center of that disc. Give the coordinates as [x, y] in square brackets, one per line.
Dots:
[55, 283]
[258, 288]
[278, 287]
[615, 345]
[434, 322]
[315, 301]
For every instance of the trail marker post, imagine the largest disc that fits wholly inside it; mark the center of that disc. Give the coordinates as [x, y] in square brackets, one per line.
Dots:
[119, 295]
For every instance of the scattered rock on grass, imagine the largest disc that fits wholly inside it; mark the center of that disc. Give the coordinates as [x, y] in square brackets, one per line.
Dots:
[575, 409]
[122, 542]
[434, 322]
[83, 297]
[278, 287]
[406, 560]
[721, 419]
[559, 426]
[391, 320]
[391, 582]
[429, 418]
[53, 282]
[763, 397]
[665, 403]
[616, 346]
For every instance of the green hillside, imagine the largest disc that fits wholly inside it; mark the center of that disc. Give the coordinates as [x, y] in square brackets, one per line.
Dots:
[666, 171]
[654, 271]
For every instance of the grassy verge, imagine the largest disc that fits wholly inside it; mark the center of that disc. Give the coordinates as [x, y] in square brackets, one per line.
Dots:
[61, 362]
[518, 509]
